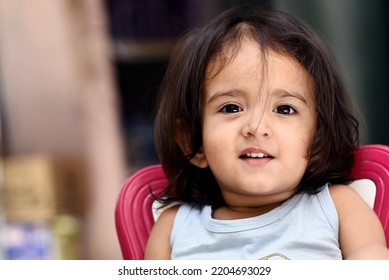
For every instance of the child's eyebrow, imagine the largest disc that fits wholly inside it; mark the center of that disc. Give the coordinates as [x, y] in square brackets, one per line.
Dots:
[220, 94]
[284, 94]
[233, 93]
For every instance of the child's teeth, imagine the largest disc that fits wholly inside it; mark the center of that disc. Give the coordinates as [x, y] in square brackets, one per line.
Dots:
[255, 155]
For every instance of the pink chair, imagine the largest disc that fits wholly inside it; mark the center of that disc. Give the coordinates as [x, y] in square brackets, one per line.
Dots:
[372, 163]
[134, 215]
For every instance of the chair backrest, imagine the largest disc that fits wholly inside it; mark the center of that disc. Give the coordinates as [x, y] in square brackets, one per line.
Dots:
[372, 163]
[134, 214]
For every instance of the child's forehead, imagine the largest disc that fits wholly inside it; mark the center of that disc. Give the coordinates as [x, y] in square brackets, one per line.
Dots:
[247, 65]
[229, 52]
[226, 55]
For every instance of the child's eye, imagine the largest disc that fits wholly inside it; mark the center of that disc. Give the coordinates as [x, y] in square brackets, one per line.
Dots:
[284, 110]
[231, 108]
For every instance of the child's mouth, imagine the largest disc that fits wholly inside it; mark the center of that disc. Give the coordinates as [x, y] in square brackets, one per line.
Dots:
[255, 155]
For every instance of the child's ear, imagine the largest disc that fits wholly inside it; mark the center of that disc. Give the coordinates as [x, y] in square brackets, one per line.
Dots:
[199, 159]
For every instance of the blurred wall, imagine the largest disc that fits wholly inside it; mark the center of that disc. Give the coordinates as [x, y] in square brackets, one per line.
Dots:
[357, 33]
[59, 99]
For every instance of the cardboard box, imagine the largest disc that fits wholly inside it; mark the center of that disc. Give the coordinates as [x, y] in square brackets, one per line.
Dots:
[38, 188]
[70, 188]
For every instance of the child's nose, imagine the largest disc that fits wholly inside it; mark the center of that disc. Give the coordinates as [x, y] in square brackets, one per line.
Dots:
[257, 125]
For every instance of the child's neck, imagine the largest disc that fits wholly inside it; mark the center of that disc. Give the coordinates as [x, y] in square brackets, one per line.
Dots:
[241, 206]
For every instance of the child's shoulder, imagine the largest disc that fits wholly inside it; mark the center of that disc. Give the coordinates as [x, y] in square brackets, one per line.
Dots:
[360, 229]
[345, 197]
[351, 207]
[178, 211]
[158, 245]
[341, 190]
[168, 214]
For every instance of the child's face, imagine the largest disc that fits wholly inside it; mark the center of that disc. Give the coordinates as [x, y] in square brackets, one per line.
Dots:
[252, 110]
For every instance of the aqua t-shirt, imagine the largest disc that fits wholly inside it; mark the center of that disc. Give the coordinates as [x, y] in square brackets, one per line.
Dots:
[304, 227]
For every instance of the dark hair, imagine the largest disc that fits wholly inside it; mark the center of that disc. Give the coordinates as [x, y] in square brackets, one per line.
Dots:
[331, 154]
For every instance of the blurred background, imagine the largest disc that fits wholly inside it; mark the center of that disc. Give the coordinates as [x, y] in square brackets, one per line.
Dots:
[78, 80]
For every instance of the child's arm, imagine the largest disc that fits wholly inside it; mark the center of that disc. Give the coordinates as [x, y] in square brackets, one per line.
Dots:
[360, 232]
[158, 245]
